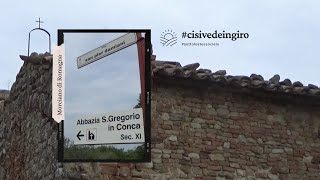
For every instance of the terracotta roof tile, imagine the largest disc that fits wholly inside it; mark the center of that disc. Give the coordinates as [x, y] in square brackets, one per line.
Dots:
[254, 81]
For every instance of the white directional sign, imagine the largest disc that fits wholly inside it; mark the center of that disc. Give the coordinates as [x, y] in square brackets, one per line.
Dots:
[116, 127]
[107, 49]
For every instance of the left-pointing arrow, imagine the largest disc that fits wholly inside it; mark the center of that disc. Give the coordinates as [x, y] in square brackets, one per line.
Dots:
[79, 135]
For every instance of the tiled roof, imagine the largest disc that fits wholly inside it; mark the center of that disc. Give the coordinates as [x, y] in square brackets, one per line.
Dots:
[163, 69]
[191, 72]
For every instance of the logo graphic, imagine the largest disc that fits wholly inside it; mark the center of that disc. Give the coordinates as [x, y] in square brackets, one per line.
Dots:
[91, 134]
[168, 38]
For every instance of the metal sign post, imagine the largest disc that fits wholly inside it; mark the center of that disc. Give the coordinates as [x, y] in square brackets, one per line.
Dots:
[141, 56]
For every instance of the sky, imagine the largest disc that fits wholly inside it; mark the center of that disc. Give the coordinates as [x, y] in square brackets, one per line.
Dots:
[117, 75]
[108, 85]
[283, 34]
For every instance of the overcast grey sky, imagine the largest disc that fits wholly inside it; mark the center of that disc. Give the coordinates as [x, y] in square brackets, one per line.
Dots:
[110, 84]
[117, 75]
[283, 34]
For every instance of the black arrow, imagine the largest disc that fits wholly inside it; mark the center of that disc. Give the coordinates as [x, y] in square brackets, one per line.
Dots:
[79, 135]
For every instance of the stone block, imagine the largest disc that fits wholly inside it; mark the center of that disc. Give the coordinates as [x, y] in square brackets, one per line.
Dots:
[194, 156]
[216, 157]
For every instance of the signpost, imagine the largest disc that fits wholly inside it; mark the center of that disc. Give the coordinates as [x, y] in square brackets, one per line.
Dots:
[107, 49]
[110, 128]
[102, 128]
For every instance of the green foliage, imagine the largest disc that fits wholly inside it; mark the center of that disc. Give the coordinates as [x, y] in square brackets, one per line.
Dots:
[139, 102]
[100, 152]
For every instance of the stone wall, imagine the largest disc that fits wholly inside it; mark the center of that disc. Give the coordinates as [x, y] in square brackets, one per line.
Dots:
[216, 133]
[27, 132]
[198, 132]
[4, 96]
[203, 133]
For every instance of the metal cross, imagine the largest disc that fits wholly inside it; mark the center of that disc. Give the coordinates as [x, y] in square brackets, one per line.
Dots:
[39, 22]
